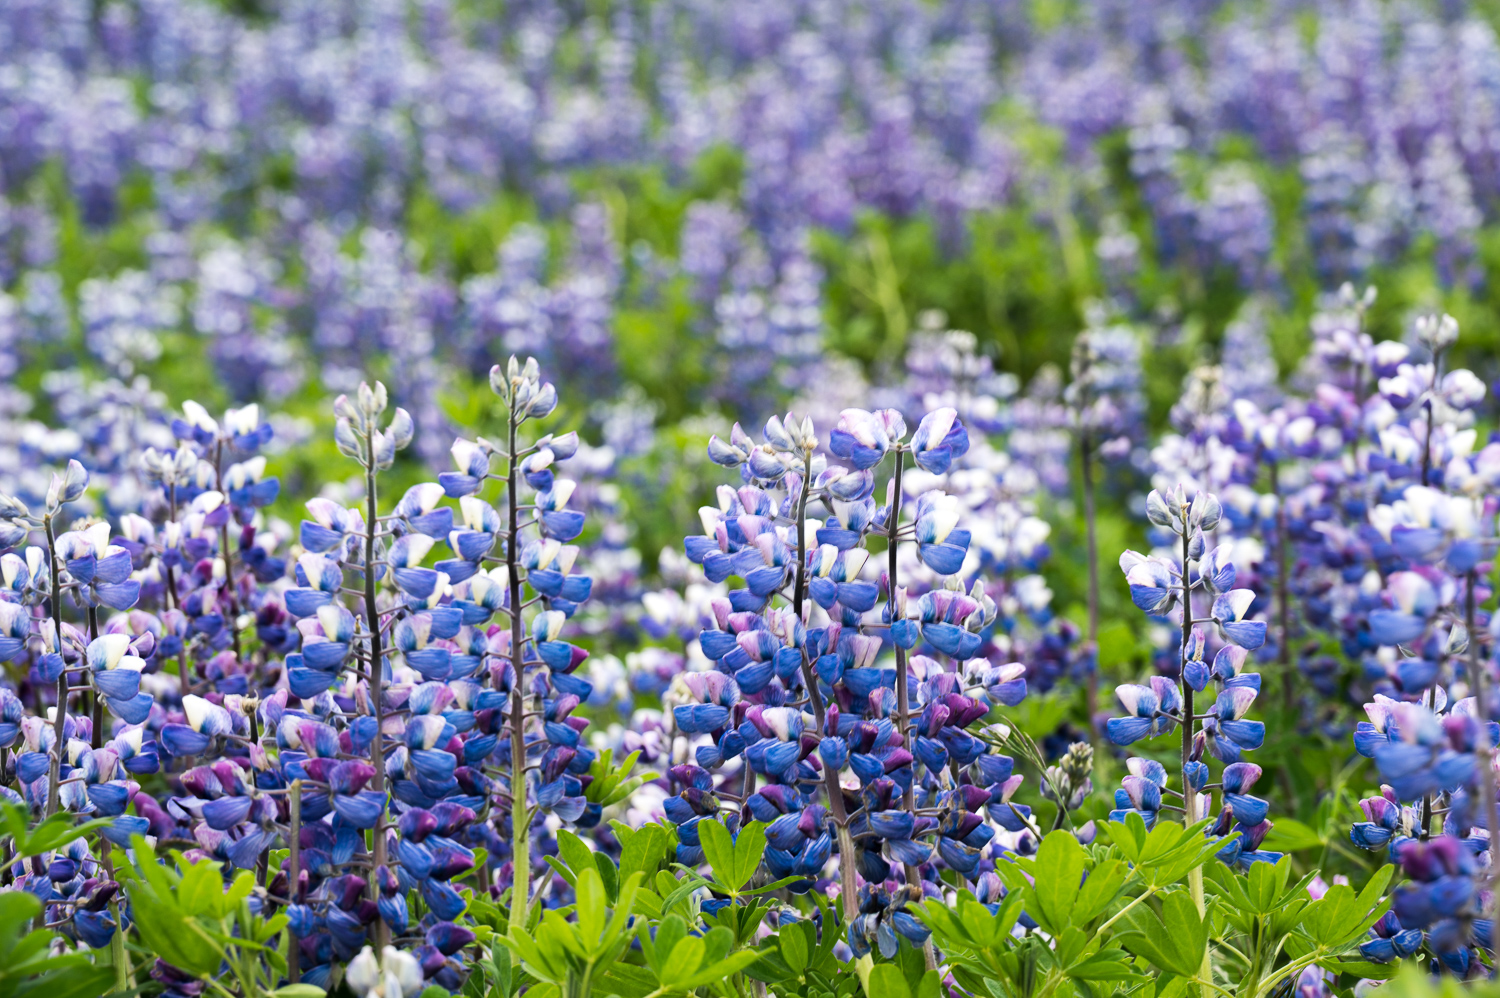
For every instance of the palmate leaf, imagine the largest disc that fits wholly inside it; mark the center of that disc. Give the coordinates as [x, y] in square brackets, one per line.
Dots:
[1053, 887]
[734, 859]
[179, 914]
[643, 850]
[1165, 854]
[1341, 917]
[1175, 941]
[612, 784]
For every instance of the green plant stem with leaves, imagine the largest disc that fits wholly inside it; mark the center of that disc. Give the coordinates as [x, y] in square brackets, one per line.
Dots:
[185, 915]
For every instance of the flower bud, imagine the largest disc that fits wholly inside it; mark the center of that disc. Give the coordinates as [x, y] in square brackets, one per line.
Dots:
[1437, 334]
[1157, 510]
[344, 438]
[1206, 511]
[401, 429]
[384, 448]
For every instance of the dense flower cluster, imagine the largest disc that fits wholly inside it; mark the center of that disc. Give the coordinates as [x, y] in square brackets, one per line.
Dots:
[801, 690]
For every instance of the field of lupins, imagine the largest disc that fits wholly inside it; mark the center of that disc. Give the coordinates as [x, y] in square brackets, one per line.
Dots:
[498, 498]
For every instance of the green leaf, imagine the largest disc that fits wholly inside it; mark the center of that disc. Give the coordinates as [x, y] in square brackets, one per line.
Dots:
[749, 847]
[1361, 968]
[887, 981]
[1186, 928]
[609, 784]
[500, 970]
[669, 932]
[718, 849]
[1264, 884]
[1099, 890]
[686, 957]
[1164, 855]
[625, 980]
[201, 891]
[774, 885]
[1340, 916]
[590, 906]
[1106, 965]
[796, 945]
[1057, 876]
[299, 991]
[609, 874]
[722, 970]
[1175, 941]
[1129, 837]
[1291, 835]
[643, 850]
[574, 852]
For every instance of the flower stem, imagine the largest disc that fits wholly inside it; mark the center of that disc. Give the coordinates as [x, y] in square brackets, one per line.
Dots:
[1484, 749]
[117, 952]
[293, 950]
[97, 734]
[520, 825]
[233, 596]
[1091, 691]
[54, 773]
[848, 883]
[903, 711]
[1283, 611]
[377, 675]
[1190, 796]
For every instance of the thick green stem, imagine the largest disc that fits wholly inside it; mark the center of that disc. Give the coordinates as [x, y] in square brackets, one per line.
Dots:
[293, 950]
[117, 953]
[520, 815]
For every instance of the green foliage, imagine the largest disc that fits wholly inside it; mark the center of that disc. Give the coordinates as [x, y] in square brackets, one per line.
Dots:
[47, 836]
[26, 964]
[682, 962]
[734, 860]
[1166, 853]
[799, 958]
[1174, 940]
[185, 914]
[568, 954]
[611, 783]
